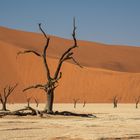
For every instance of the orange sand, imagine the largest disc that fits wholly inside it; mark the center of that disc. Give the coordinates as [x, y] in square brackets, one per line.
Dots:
[108, 69]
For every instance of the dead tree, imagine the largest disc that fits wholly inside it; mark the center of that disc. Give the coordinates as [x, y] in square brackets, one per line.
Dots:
[28, 101]
[75, 102]
[8, 90]
[52, 81]
[84, 104]
[137, 100]
[36, 101]
[115, 101]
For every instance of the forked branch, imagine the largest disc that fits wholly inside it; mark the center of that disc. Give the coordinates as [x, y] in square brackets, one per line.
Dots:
[34, 86]
[115, 101]
[84, 104]
[4, 96]
[8, 90]
[29, 51]
[76, 62]
[75, 102]
[1, 99]
[44, 52]
[28, 101]
[36, 101]
[67, 55]
[42, 31]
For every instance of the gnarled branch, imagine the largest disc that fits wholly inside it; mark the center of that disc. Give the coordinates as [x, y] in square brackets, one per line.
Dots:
[1, 99]
[73, 34]
[76, 62]
[36, 101]
[67, 54]
[29, 51]
[42, 31]
[6, 93]
[75, 41]
[60, 75]
[44, 52]
[35, 86]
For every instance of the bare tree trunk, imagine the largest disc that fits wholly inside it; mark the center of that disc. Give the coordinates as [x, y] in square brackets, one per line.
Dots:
[28, 104]
[115, 101]
[137, 100]
[50, 100]
[4, 106]
[74, 104]
[115, 104]
[136, 105]
[84, 104]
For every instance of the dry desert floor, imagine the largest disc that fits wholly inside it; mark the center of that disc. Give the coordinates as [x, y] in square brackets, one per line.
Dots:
[121, 123]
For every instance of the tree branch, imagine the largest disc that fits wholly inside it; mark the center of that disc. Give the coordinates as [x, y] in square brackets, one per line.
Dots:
[36, 101]
[1, 98]
[75, 41]
[28, 101]
[137, 100]
[45, 61]
[35, 86]
[11, 89]
[75, 100]
[42, 31]
[66, 55]
[73, 34]
[76, 62]
[29, 51]
[44, 52]
[4, 92]
[60, 75]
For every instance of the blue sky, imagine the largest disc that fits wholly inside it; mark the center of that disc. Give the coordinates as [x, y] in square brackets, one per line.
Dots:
[107, 21]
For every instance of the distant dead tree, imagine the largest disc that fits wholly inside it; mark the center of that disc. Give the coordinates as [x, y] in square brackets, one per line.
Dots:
[84, 104]
[8, 90]
[137, 100]
[28, 101]
[36, 101]
[75, 102]
[52, 81]
[115, 101]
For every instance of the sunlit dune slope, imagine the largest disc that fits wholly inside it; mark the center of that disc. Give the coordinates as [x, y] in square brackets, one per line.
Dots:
[90, 54]
[108, 70]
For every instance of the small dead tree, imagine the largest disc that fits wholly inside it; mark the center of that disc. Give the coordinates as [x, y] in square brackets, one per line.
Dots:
[8, 90]
[52, 81]
[75, 102]
[137, 100]
[115, 101]
[28, 101]
[36, 101]
[84, 104]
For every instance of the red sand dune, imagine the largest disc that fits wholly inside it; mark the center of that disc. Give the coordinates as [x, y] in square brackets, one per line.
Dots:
[109, 70]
